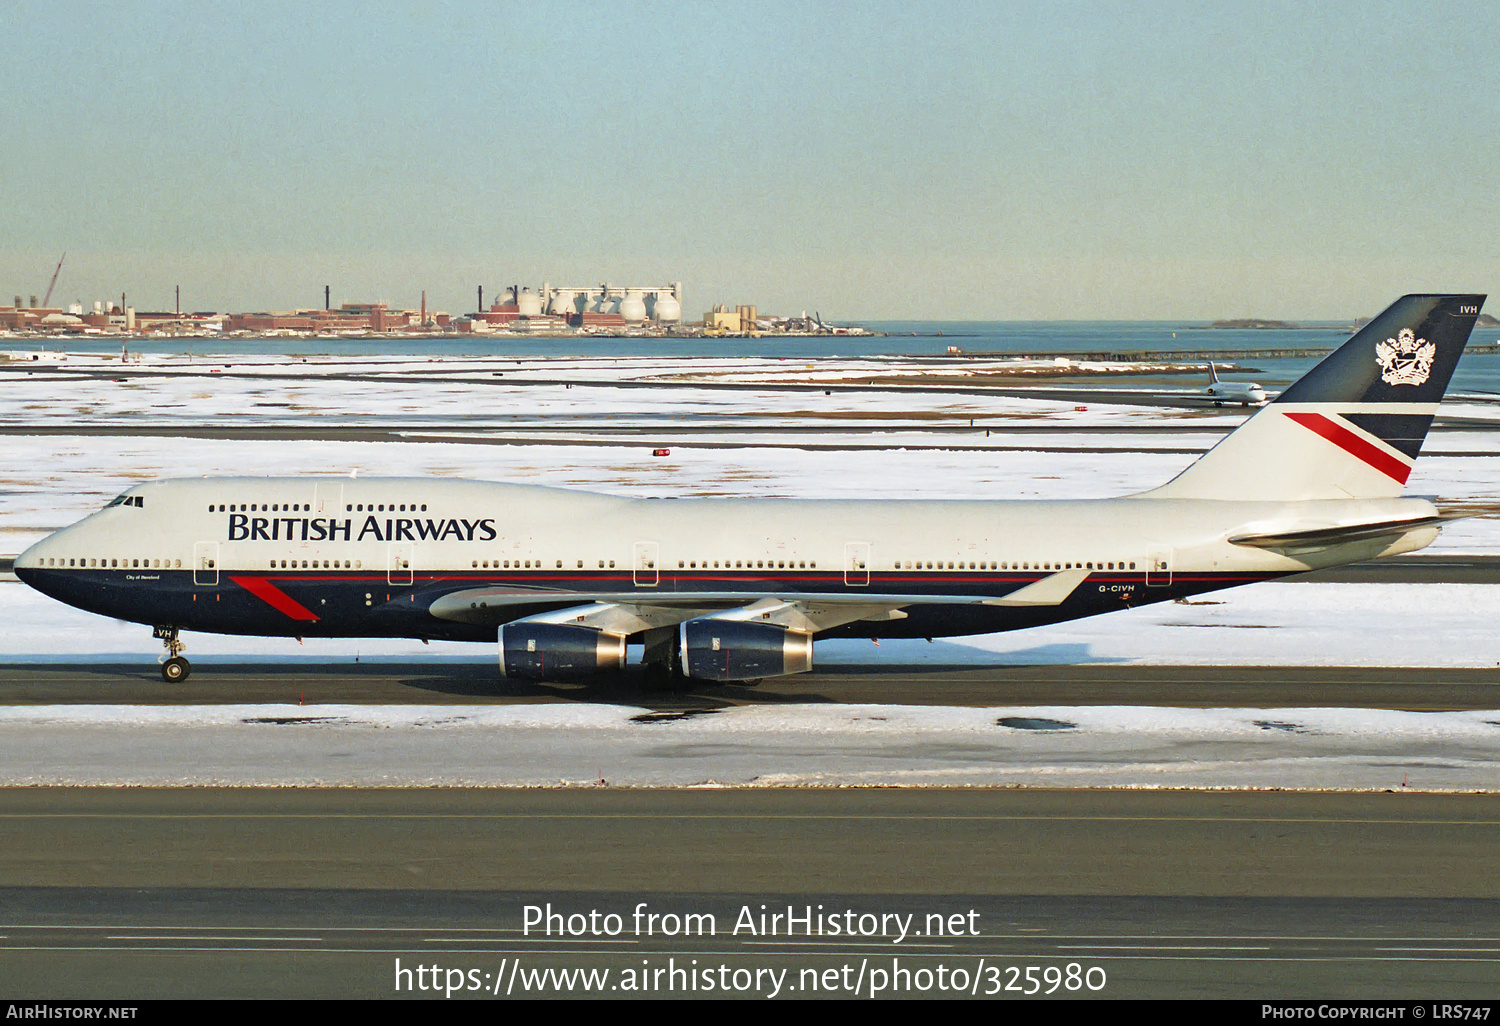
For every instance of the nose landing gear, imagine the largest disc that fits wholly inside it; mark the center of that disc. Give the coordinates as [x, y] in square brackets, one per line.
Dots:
[174, 668]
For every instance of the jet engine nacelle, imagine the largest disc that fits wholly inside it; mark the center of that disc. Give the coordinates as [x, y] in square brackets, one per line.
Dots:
[738, 650]
[549, 651]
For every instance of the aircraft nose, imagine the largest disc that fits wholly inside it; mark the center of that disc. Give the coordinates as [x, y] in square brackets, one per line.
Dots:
[29, 564]
[28, 558]
[26, 562]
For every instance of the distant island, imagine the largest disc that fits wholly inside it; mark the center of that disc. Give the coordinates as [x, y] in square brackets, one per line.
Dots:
[1265, 324]
[1255, 322]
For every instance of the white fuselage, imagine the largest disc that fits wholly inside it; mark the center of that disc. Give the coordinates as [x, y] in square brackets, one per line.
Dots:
[324, 540]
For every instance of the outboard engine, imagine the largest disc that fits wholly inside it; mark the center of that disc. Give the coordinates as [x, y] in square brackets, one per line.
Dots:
[549, 651]
[715, 649]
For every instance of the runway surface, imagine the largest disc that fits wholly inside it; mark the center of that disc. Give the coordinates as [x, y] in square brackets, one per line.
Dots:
[202, 892]
[477, 682]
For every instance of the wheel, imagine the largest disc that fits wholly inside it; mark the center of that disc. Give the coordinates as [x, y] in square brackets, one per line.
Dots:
[175, 670]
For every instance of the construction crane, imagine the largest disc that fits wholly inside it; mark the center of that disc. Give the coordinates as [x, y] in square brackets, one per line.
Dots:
[53, 283]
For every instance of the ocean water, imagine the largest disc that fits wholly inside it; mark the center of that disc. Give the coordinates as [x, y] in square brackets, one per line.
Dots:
[1479, 371]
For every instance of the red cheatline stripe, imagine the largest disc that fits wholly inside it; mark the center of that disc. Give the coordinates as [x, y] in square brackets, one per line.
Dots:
[1354, 445]
[274, 597]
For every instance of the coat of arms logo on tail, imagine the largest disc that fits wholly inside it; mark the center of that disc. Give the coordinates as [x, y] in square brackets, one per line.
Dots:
[1405, 359]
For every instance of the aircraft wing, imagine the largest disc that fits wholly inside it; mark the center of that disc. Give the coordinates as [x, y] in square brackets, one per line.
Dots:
[633, 612]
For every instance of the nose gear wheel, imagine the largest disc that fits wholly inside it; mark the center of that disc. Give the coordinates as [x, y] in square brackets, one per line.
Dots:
[174, 668]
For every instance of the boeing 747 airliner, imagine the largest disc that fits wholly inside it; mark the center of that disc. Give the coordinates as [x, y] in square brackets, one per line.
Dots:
[736, 590]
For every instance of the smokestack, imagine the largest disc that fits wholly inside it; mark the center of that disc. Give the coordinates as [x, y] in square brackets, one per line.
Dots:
[481, 299]
[423, 321]
[326, 302]
[18, 302]
[33, 302]
[179, 300]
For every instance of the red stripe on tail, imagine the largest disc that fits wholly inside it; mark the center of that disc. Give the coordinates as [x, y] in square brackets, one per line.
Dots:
[1326, 427]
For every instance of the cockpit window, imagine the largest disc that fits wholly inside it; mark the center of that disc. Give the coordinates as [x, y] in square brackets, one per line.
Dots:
[125, 500]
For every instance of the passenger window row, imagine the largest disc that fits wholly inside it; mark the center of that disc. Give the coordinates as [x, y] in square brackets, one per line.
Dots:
[793, 564]
[1007, 565]
[325, 565]
[527, 564]
[536, 564]
[261, 507]
[115, 564]
[749, 564]
[295, 507]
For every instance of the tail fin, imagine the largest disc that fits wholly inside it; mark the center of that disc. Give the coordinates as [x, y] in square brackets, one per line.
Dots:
[1352, 426]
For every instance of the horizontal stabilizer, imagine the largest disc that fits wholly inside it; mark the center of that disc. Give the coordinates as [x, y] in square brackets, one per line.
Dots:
[1052, 590]
[1327, 537]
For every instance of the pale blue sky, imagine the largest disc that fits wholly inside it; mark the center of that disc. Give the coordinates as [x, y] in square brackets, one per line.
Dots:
[1027, 161]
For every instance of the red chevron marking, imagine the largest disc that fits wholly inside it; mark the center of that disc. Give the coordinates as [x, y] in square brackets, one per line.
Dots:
[275, 597]
[1344, 438]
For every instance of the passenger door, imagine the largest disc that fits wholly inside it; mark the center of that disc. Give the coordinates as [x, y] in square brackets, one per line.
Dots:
[1159, 568]
[398, 563]
[857, 564]
[206, 564]
[643, 568]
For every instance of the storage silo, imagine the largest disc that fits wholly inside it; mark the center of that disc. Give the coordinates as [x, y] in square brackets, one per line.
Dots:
[563, 303]
[666, 309]
[633, 307]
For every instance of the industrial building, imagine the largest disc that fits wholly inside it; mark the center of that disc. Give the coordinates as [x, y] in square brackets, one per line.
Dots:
[605, 309]
[722, 320]
[105, 317]
[558, 307]
[376, 318]
[21, 317]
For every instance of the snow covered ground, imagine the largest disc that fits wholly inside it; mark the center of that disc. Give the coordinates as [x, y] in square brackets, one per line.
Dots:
[847, 745]
[277, 389]
[478, 393]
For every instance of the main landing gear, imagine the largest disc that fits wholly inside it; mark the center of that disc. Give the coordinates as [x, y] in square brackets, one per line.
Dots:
[174, 668]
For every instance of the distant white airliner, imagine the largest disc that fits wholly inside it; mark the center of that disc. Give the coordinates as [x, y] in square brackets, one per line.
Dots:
[1247, 393]
[735, 590]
